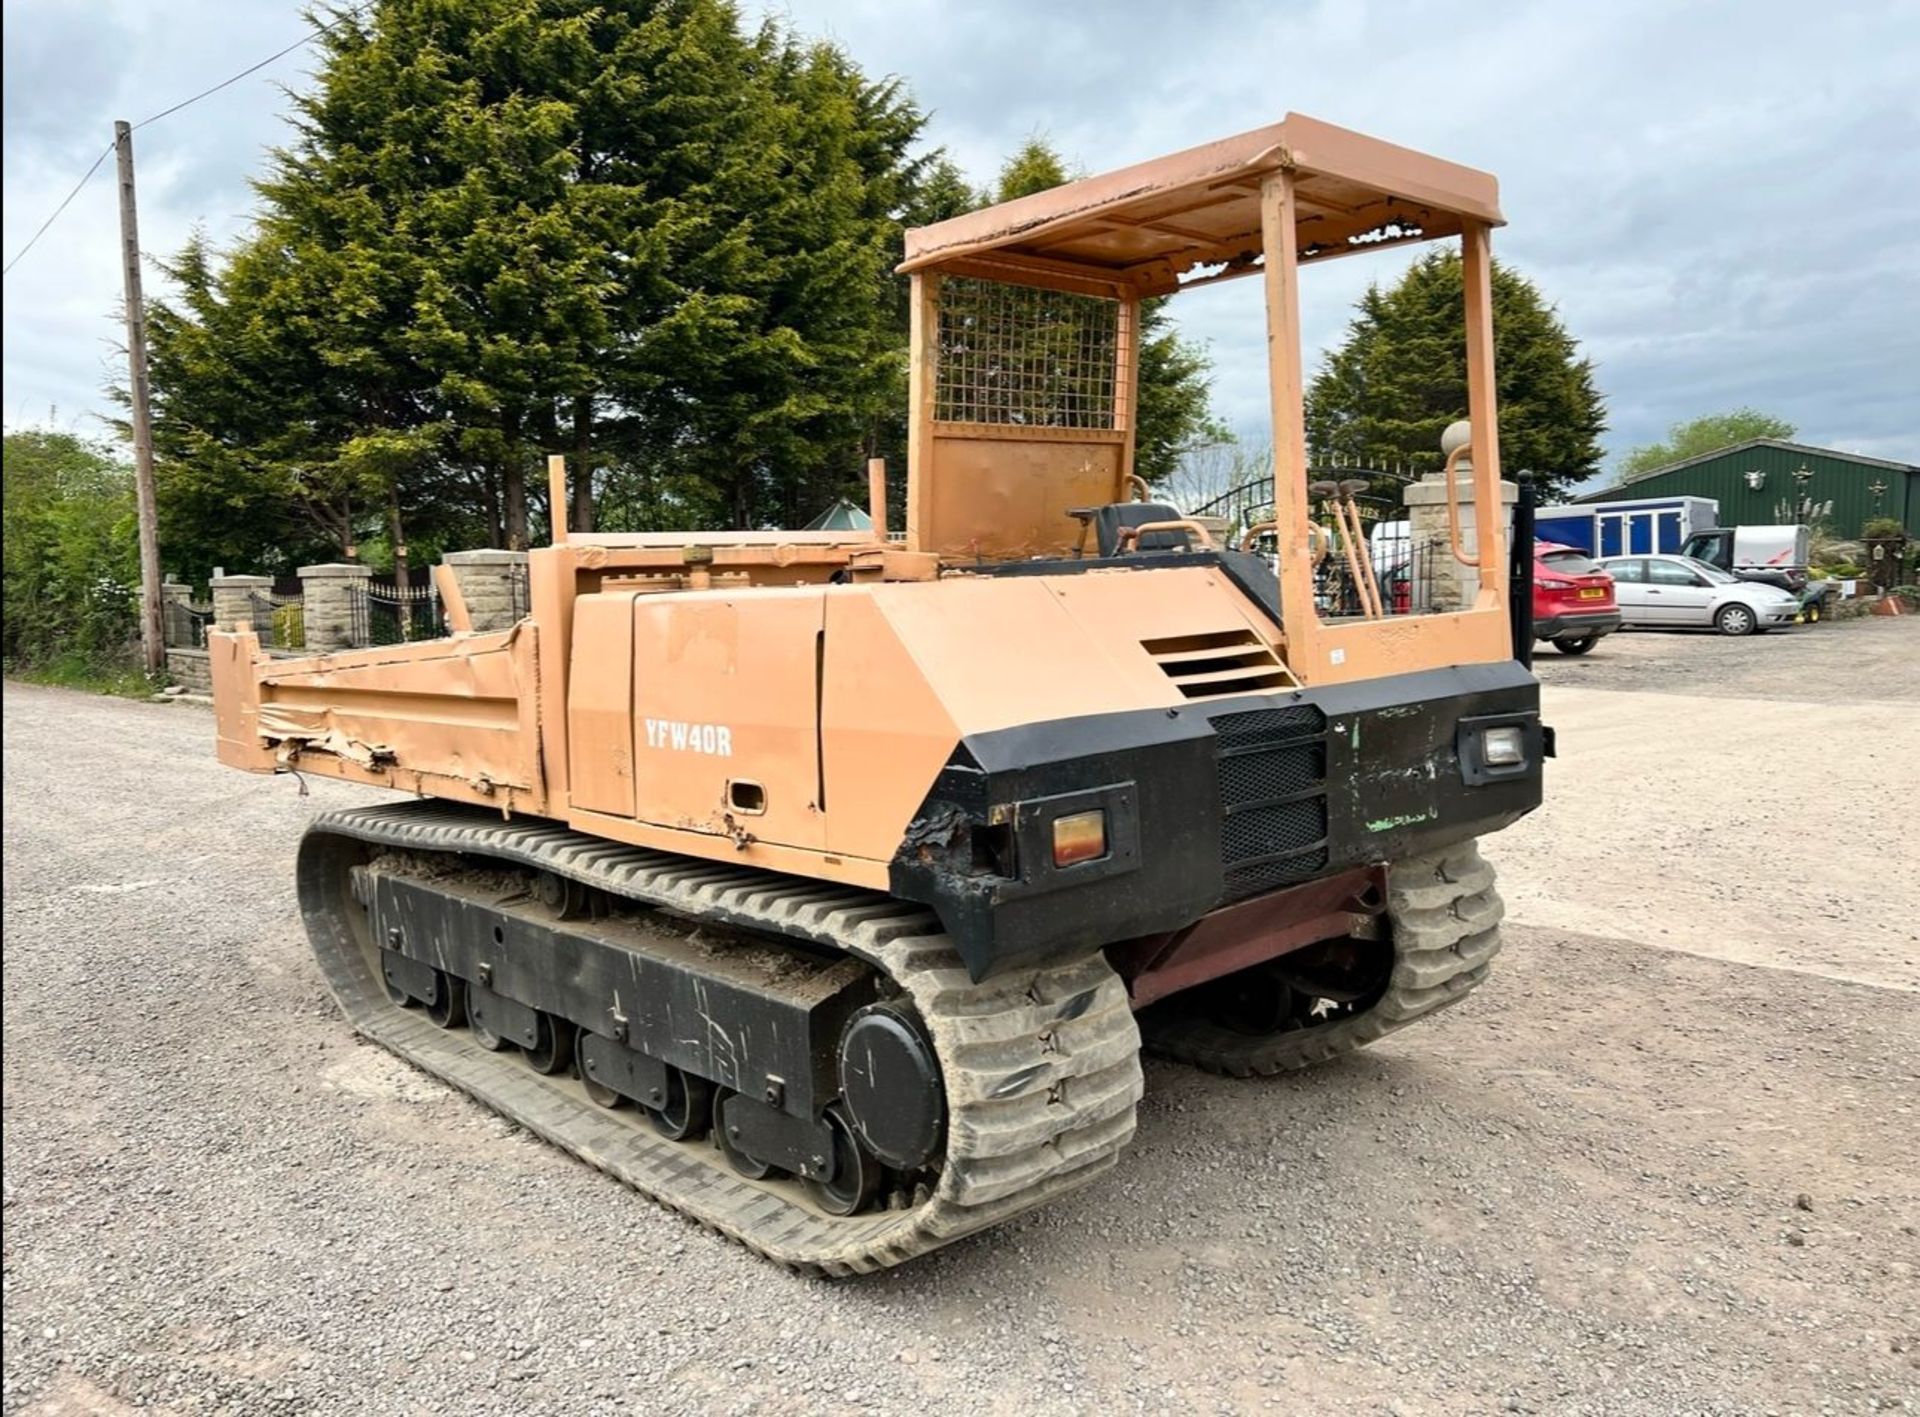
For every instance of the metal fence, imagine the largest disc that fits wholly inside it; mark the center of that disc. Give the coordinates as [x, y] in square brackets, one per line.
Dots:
[520, 591]
[185, 623]
[279, 619]
[387, 614]
[1403, 580]
[1366, 562]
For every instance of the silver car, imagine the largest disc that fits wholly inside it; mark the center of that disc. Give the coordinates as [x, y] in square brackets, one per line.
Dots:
[1678, 592]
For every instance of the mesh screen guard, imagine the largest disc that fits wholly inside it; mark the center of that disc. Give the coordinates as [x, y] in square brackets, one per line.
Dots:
[1020, 355]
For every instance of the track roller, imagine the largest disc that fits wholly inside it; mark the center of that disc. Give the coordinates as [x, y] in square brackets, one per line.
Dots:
[856, 1174]
[552, 1051]
[448, 1006]
[727, 1137]
[688, 1109]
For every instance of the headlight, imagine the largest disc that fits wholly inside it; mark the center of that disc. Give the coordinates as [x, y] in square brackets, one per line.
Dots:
[1079, 837]
[1503, 747]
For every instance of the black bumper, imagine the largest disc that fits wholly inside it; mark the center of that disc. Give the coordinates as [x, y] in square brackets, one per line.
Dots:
[1208, 804]
[1577, 625]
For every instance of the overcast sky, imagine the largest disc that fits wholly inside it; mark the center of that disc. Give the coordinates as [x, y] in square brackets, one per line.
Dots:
[1723, 199]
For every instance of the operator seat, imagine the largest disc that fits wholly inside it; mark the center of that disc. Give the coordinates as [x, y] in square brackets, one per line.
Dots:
[1108, 521]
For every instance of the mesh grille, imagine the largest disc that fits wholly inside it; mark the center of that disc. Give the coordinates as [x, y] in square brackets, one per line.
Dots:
[1260, 777]
[1269, 831]
[1247, 881]
[1264, 755]
[1018, 354]
[1263, 725]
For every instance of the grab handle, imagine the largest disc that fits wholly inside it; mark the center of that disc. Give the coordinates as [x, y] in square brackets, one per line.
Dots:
[1453, 510]
[1130, 534]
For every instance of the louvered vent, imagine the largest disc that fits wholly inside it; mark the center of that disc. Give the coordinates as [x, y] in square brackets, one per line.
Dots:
[1218, 663]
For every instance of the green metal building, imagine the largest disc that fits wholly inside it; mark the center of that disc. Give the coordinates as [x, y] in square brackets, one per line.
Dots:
[1766, 482]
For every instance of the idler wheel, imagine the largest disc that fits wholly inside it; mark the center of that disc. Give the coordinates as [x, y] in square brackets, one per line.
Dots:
[890, 1086]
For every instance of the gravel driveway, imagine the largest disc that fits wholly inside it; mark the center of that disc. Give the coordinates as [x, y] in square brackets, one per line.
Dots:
[1623, 1178]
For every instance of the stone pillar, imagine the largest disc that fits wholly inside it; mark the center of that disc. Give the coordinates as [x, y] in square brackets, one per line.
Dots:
[1440, 581]
[176, 622]
[487, 584]
[233, 600]
[328, 595]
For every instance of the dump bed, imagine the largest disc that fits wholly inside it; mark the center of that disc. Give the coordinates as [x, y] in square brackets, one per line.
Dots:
[455, 717]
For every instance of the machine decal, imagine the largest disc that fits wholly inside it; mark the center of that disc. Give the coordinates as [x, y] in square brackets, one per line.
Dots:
[673, 734]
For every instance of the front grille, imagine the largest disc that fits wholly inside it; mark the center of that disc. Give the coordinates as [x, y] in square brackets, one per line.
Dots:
[1261, 726]
[1273, 797]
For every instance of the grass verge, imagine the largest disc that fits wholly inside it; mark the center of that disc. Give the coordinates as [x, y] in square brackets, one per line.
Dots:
[73, 671]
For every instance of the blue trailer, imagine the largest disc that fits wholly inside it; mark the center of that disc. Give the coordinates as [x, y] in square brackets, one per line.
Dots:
[1634, 526]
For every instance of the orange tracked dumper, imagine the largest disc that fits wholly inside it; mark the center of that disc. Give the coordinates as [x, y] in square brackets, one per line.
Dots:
[827, 884]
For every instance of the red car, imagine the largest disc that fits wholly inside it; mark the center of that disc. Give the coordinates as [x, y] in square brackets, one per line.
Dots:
[1573, 603]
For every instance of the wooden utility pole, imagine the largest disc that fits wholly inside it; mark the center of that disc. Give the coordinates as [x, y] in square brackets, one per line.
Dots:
[153, 643]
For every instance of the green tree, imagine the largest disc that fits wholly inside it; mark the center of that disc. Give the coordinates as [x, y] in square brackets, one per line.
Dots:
[1398, 379]
[630, 230]
[71, 556]
[1705, 434]
[1034, 167]
[1173, 411]
[939, 190]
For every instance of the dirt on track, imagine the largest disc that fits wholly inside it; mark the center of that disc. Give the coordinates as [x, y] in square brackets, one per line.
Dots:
[1621, 1178]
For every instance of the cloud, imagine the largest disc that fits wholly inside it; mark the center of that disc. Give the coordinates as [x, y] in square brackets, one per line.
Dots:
[1719, 197]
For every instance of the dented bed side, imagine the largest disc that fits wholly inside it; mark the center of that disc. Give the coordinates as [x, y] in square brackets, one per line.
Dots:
[457, 717]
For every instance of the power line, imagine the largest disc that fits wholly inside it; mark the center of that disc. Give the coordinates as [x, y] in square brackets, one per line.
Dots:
[339, 19]
[61, 208]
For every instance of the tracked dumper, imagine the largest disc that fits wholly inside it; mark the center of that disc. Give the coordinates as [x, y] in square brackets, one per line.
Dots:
[824, 886]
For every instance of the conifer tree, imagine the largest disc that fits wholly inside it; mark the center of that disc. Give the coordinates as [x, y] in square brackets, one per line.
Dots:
[1386, 394]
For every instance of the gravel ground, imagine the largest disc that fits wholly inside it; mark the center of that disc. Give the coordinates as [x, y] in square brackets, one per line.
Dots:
[1622, 1178]
[1867, 659]
[1773, 780]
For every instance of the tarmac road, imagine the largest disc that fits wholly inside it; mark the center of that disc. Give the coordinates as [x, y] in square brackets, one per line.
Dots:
[1667, 1160]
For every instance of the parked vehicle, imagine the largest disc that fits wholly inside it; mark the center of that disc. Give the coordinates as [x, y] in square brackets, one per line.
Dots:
[1573, 599]
[1771, 555]
[1677, 592]
[1633, 526]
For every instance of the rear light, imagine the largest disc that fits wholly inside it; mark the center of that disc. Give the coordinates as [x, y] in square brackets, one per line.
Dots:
[1503, 747]
[1554, 584]
[1079, 837]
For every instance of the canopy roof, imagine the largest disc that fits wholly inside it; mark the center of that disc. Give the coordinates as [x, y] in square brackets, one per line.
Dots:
[1148, 225]
[841, 516]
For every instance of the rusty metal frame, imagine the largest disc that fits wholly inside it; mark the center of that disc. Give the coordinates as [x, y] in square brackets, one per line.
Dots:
[1249, 933]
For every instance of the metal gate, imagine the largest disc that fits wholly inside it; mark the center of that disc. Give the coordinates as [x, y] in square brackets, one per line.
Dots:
[279, 620]
[388, 614]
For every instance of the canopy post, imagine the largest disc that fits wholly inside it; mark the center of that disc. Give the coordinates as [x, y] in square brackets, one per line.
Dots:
[1285, 388]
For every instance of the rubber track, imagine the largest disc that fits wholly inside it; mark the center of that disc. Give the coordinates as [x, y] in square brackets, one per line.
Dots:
[1042, 1067]
[1445, 916]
